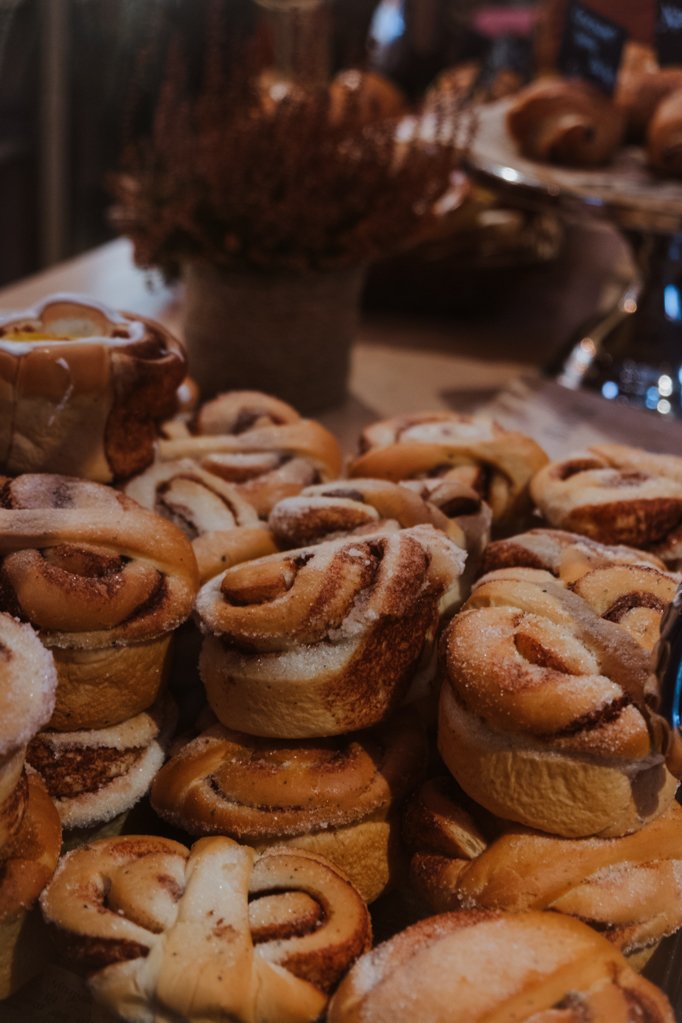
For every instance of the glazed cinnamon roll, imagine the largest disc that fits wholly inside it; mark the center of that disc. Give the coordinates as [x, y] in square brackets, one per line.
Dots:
[496, 463]
[359, 506]
[630, 888]
[565, 121]
[29, 862]
[664, 135]
[93, 776]
[223, 527]
[263, 937]
[259, 444]
[621, 584]
[104, 582]
[477, 965]
[28, 682]
[545, 715]
[616, 494]
[335, 797]
[323, 640]
[82, 389]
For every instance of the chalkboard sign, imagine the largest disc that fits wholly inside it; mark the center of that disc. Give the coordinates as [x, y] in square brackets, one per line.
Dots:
[669, 32]
[592, 47]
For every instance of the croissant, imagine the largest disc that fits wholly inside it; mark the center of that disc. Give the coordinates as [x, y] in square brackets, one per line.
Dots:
[545, 714]
[566, 122]
[616, 494]
[104, 582]
[259, 444]
[629, 888]
[223, 527]
[82, 389]
[28, 682]
[477, 966]
[323, 640]
[477, 452]
[664, 135]
[150, 914]
[335, 797]
[28, 862]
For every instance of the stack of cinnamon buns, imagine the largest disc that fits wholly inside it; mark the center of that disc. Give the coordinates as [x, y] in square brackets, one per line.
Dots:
[351, 624]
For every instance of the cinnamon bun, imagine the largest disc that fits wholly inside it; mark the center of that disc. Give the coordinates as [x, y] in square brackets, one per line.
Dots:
[104, 582]
[566, 121]
[478, 965]
[324, 640]
[335, 797]
[263, 937]
[616, 494]
[82, 389]
[496, 463]
[259, 444]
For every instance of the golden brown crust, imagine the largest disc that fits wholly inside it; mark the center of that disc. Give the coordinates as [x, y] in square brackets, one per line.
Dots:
[84, 388]
[664, 135]
[641, 90]
[565, 121]
[616, 494]
[32, 854]
[149, 910]
[450, 967]
[323, 640]
[496, 463]
[257, 443]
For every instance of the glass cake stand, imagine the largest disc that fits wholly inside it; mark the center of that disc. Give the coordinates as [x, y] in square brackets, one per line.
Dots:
[634, 353]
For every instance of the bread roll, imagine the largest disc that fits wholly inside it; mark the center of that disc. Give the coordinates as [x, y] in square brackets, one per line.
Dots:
[616, 494]
[496, 463]
[169, 932]
[259, 444]
[335, 797]
[82, 389]
[323, 640]
[478, 966]
[104, 582]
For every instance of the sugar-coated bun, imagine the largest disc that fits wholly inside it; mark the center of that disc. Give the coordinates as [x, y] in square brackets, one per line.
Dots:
[82, 388]
[477, 965]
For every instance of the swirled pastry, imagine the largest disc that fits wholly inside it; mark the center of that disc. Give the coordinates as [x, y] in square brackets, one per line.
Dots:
[664, 135]
[28, 682]
[335, 797]
[29, 861]
[323, 640]
[151, 914]
[477, 966]
[259, 444]
[621, 584]
[82, 389]
[566, 121]
[93, 776]
[329, 510]
[103, 581]
[629, 888]
[496, 463]
[618, 495]
[545, 712]
[223, 527]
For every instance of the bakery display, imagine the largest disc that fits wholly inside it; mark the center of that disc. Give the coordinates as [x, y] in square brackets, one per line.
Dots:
[104, 582]
[258, 443]
[82, 388]
[224, 527]
[495, 462]
[339, 798]
[616, 494]
[475, 966]
[266, 937]
[545, 714]
[324, 640]
[565, 121]
[630, 888]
